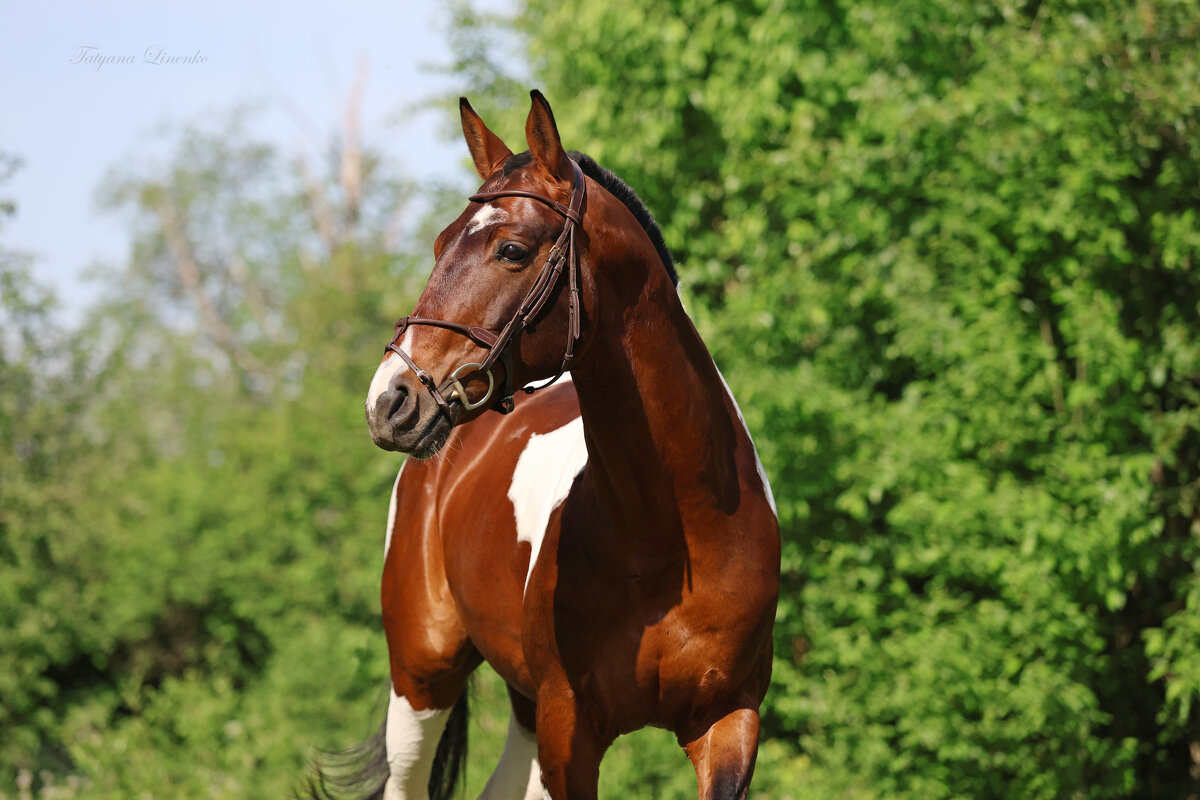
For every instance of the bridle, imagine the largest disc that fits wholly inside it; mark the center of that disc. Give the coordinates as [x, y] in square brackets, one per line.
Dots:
[564, 252]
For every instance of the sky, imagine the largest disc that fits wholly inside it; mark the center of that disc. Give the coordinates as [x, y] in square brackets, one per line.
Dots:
[87, 87]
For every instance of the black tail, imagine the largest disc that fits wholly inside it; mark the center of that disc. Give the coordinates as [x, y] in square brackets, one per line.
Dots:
[450, 763]
[361, 772]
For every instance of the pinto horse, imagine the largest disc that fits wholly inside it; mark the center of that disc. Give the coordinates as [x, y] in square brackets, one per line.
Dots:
[611, 546]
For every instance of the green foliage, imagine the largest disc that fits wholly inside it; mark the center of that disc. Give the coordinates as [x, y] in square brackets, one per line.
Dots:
[190, 512]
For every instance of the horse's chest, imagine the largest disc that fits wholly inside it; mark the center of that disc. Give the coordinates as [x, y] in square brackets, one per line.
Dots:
[614, 624]
[601, 608]
[639, 651]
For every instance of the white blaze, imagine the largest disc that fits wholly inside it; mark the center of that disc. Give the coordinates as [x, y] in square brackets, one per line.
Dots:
[543, 477]
[486, 216]
[390, 367]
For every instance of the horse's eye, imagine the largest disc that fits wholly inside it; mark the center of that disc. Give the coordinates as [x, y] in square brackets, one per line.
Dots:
[513, 252]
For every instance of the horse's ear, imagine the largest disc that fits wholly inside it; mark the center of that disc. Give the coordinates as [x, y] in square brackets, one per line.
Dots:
[542, 135]
[487, 151]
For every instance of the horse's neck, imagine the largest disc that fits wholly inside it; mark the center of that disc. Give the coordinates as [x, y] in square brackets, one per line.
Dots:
[660, 430]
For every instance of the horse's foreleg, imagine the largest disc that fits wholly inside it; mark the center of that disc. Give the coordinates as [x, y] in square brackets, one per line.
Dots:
[569, 748]
[724, 755]
[517, 776]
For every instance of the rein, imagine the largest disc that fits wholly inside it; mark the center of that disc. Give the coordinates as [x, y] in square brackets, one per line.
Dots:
[563, 253]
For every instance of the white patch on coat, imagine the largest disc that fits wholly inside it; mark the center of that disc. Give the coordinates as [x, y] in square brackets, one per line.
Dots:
[488, 215]
[412, 739]
[391, 523]
[517, 776]
[762, 473]
[543, 477]
[391, 366]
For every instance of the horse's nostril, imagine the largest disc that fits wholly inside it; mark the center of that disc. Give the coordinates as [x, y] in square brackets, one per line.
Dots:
[401, 405]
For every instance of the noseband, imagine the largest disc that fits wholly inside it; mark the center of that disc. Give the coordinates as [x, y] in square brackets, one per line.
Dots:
[564, 252]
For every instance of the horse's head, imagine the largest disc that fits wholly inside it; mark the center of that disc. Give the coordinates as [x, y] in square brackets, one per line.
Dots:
[506, 299]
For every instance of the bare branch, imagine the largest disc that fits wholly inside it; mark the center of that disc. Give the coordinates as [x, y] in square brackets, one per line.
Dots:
[189, 274]
[318, 206]
[240, 275]
[351, 168]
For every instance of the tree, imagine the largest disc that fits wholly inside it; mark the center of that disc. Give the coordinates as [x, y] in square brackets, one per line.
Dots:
[190, 510]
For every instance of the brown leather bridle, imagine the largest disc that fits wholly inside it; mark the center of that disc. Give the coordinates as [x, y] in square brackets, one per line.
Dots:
[564, 252]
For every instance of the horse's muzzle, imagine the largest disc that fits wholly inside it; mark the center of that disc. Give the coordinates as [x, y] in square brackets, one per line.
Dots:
[403, 418]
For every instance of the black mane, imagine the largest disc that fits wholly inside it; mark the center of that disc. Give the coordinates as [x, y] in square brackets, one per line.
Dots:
[620, 190]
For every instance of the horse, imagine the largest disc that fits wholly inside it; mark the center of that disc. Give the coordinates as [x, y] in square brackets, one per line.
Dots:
[608, 542]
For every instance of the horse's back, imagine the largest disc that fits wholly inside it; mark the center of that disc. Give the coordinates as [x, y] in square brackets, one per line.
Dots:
[466, 527]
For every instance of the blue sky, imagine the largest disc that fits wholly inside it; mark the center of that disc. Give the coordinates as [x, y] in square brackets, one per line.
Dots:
[71, 119]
